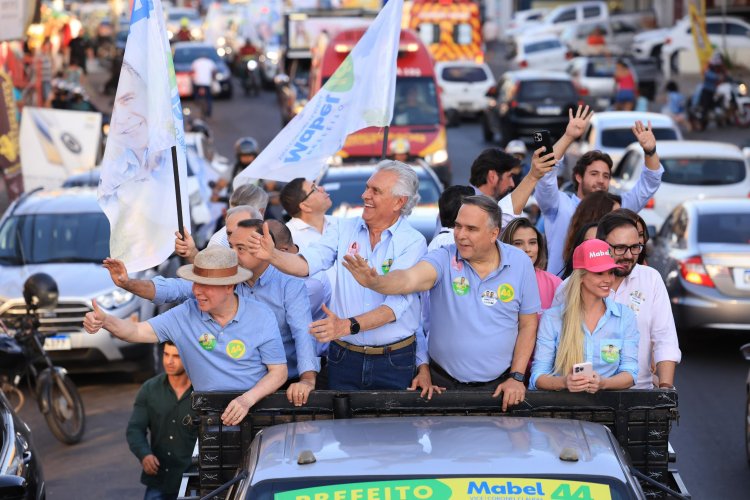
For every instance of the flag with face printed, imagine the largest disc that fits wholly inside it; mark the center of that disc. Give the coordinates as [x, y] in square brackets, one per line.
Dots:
[359, 94]
[137, 189]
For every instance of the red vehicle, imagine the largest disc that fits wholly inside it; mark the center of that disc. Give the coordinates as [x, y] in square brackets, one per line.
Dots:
[417, 115]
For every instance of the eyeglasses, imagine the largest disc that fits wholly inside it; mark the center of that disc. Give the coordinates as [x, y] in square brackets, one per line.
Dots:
[312, 190]
[621, 249]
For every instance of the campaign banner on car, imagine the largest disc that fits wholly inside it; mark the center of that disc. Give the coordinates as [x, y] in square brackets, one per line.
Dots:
[57, 143]
[11, 182]
[137, 186]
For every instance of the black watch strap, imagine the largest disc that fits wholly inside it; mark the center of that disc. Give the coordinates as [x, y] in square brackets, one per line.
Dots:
[354, 328]
[651, 152]
[517, 376]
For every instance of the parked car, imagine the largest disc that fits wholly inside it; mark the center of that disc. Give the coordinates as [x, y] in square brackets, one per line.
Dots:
[21, 475]
[463, 87]
[566, 15]
[345, 186]
[648, 44]
[184, 55]
[543, 52]
[526, 101]
[703, 254]
[610, 131]
[693, 170]
[65, 234]
[521, 20]
[729, 32]
[618, 37]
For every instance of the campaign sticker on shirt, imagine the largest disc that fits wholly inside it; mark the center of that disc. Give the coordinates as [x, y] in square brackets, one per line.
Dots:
[636, 300]
[235, 349]
[456, 264]
[353, 248]
[506, 292]
[460, 286]
[489, 298]
[610, 353]
[207, 341]
[386, 266]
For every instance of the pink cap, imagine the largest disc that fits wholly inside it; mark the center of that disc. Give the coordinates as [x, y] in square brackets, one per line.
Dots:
[594, 256]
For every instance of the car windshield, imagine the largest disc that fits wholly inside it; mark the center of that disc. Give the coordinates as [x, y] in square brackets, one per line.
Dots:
[47, 238]
[703, 171]
[442, 487]
[184, 55]
[416, 102]
[179, 15]
[539, 90]
[467, 74]
[724, 228]
[600, 69]
[541, 45]
[623, 137]
[349, 191]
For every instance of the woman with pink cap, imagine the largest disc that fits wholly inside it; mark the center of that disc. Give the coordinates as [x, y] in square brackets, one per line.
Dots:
[587, 327]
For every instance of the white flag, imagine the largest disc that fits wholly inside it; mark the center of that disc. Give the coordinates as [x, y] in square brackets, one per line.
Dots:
[136, 190]
[359, 94]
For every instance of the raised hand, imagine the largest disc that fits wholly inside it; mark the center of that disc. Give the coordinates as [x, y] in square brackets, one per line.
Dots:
[644, 135]
[94, 320]
[117, 271]
[540, 165]
[261, 246]
[578, 122]
[361, 270]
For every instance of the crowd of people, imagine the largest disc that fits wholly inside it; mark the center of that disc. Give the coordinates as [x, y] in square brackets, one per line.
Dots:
[493, 304]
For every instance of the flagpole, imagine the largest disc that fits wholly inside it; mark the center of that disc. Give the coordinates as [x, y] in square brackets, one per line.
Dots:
[178, 196]
[385, 142]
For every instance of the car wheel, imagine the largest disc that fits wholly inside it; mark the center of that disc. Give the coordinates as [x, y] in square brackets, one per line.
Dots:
[656, 52]
[674, 63]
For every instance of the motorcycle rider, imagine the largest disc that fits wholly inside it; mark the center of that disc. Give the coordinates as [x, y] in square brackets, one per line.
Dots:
[184, 35]
[713, 76]
[246, 149]
[247, 67]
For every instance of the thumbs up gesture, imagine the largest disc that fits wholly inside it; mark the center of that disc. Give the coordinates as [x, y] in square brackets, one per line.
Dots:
[94, 320]
[261, 246]
[330, 328]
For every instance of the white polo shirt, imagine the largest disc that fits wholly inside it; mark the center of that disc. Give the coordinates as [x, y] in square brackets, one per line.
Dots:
[203, 71]
[643, 291]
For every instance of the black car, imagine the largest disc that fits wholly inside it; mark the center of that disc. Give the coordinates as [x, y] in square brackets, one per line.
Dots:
[20, 466]
[526, 101]
[187, 52]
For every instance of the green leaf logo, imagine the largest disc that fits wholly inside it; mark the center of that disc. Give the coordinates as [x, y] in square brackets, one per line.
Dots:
[343, 79]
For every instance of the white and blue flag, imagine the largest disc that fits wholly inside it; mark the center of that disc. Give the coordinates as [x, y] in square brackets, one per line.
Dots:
[359, 94]
[137, 188]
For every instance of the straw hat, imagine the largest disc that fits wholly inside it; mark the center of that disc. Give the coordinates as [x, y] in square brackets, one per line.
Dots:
[216, 265]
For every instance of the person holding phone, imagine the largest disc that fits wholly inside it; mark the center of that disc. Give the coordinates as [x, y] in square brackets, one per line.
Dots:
[588, 326]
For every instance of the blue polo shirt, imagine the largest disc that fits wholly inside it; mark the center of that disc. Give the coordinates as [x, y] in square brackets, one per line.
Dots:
[400, 247]
[287, 298]
[216, 358]
[611, 348]
[474, 321]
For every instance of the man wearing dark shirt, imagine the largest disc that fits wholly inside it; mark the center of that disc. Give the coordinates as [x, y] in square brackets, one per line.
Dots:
[160, 407]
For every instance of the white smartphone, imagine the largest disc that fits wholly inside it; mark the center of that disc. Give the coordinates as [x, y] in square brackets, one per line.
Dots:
[585, 369]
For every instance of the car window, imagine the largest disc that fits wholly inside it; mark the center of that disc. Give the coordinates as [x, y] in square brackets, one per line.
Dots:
[463, 34]
[538, 90]
[600, 68]
[429, 33]
[623, 137]
[703, 171]
[628, 165]
[416, 102]
[715, 28]
[724, 228]
[666, 229]
[737, 30]
[565, 16]
[46, 238]
[591, 11]
[678, 236]
[542, 45]
[349, 190]
[467, 74]
[178, 15]
[190, 54]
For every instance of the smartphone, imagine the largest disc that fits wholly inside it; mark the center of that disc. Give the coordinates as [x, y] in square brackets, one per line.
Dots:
[543, 138]
[585, 369]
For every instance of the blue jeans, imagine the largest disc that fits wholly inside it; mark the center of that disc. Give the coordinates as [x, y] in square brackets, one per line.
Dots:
[353, 371]
[154, 494]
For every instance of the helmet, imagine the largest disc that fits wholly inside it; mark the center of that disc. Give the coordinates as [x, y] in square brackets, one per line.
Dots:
[400, 146]
[516, 146]
[198, 125]
[40, 291]
[184, 22]
[246, 146]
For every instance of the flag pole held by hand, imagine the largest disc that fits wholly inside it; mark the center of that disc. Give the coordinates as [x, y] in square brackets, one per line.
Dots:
[178, 197]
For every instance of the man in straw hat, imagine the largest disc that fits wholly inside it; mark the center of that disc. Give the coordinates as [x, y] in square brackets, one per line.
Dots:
[220, 351]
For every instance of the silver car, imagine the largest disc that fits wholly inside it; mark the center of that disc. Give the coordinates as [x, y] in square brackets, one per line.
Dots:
[65, 234]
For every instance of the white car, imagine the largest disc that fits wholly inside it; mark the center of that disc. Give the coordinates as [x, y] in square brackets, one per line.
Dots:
[692, 170]
[594, 78]
[730, 30]
[463, 87]
[569, 14]
[545, 52]
[649, 43]
[610, 132]
[522, 19]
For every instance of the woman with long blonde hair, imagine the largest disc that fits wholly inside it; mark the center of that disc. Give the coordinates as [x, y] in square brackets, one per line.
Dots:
[587, 327]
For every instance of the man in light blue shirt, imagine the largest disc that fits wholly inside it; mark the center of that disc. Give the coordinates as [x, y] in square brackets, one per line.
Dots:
[484, 301]
[228, 343]
[373, 339]
[591, 173]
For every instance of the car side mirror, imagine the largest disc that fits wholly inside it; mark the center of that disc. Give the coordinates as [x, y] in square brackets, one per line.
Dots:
[492, 92]
[652, 233]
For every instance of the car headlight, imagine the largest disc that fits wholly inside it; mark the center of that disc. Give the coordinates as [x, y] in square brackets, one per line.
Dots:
[221, 51]
[105, 129]
[170, 35]
[221, 41]
[252, 65]
[222, 76]
[273, 56]
[114, 299]
[438, 157]
[196, 33]
[742, 89]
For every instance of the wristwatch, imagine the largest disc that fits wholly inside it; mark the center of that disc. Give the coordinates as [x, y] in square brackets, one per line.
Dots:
[650, 152]
[517, 376]
[354, 328]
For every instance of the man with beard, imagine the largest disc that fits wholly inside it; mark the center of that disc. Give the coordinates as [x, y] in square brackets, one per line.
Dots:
[642, 290]
[591, 173]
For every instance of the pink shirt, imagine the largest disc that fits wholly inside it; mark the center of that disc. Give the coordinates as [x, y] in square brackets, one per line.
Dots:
[547, 283]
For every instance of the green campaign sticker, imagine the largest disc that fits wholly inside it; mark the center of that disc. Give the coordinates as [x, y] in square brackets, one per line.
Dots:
[411, 489]
[235, 349]
[207, 341]
[387, 263]
[460, 286]
[610, 353]
[343, 79]
[506, 292]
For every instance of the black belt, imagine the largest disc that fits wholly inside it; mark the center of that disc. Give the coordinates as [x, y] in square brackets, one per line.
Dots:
[441, 371]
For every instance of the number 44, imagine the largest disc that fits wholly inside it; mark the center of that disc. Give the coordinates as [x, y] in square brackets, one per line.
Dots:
[563, 493]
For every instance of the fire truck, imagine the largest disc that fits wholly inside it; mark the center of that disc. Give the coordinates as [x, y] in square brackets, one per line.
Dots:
[451, 29]
[417, 113]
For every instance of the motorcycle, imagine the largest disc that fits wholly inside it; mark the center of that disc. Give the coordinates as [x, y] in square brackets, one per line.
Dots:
[730, 106]
[22, 357]
[250, 75]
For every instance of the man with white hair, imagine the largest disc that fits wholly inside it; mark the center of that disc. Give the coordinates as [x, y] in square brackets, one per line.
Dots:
[375, 340]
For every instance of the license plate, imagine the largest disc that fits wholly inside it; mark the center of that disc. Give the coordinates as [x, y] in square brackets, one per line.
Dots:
[184, 84]
[742, 278]
[602, 103]
[548, 110]
[465, 105]
[57, 343]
